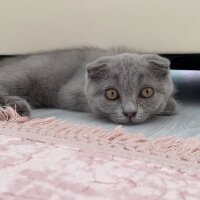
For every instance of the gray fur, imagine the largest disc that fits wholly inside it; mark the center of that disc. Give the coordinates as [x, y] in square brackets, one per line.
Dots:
[76, 79]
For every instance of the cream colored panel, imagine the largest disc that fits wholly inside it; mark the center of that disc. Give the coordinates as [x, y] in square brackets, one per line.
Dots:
[145, 25]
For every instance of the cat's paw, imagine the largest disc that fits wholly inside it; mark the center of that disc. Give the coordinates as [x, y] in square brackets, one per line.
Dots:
[171, 107]
[20, 105]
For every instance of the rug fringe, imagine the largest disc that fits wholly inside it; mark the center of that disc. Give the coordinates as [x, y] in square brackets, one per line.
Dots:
[171, 150]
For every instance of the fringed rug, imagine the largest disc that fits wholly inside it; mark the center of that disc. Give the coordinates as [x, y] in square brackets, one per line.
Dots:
[51, 159]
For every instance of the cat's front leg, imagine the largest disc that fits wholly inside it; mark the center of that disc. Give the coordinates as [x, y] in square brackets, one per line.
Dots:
[170, 108]
[19, 104]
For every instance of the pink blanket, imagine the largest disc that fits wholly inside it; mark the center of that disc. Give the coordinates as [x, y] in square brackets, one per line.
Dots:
[34, 170]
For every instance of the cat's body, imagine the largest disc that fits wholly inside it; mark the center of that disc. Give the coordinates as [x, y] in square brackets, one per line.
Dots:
[58, 79]
[39, 78]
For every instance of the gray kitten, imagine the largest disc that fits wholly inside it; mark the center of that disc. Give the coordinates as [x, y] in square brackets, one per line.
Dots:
[116, 83]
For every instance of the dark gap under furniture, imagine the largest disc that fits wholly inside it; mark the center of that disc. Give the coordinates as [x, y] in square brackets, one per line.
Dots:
[184, 61]
[178, 61]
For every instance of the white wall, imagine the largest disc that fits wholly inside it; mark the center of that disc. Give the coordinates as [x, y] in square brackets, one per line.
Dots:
[146, 25]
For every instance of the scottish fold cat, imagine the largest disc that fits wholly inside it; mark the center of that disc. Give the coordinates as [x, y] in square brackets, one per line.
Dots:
[118, 84]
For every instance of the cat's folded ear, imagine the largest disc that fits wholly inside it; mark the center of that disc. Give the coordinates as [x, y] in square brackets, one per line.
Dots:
[98, 68]
[158, 64]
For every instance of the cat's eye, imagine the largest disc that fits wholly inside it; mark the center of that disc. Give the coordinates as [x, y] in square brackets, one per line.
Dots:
[111, 94]
[147, 92]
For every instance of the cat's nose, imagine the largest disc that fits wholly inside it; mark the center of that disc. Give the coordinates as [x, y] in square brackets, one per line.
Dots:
[129, 114]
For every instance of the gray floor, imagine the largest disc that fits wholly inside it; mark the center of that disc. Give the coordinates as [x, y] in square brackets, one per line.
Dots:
[185, 124]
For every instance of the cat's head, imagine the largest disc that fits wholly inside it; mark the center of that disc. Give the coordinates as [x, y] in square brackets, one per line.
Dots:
[128, 87]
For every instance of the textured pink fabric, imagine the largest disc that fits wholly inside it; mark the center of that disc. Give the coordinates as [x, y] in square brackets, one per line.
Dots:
[33, 170]
[82, 162]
